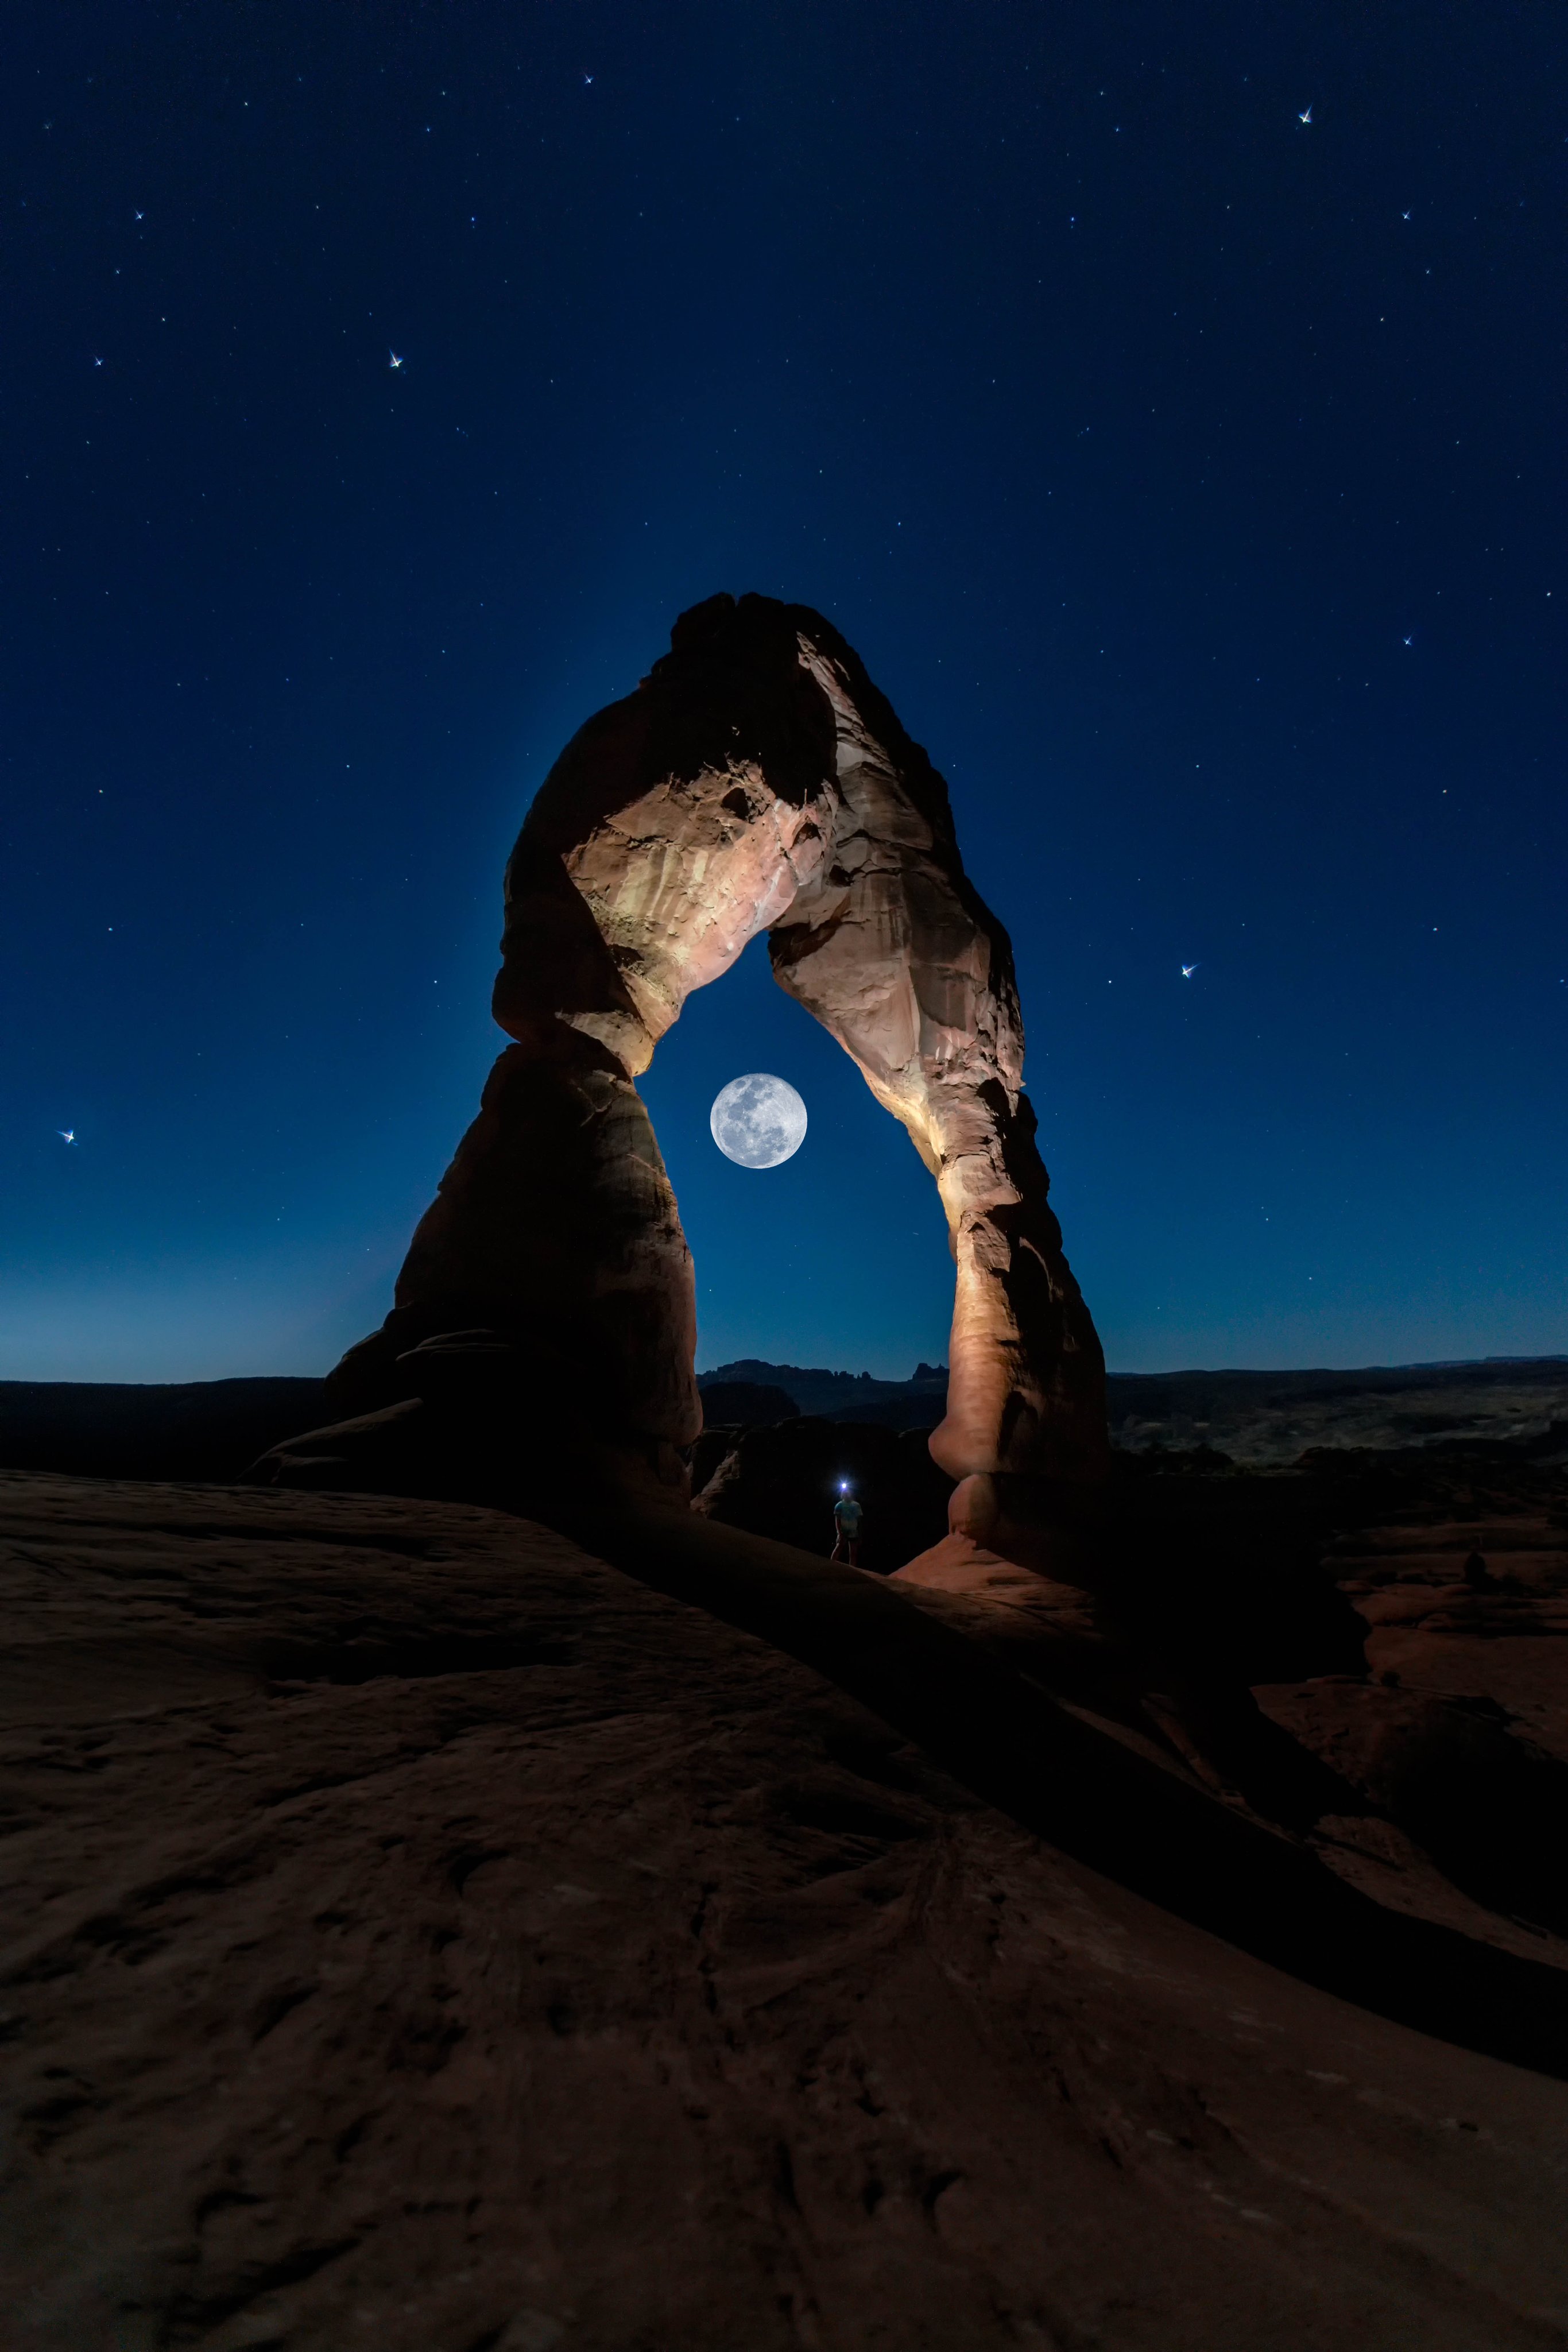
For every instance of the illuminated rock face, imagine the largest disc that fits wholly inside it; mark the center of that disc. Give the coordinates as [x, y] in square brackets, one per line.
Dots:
[756, 781]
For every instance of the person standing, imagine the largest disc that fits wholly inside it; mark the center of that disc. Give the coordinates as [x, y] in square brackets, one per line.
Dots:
[847, 1517]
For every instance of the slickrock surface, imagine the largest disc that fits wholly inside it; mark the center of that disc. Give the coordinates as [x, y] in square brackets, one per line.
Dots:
[420, 1935]
[756, 781]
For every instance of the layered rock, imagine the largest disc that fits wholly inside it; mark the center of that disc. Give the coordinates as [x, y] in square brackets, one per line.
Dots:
[756, 781]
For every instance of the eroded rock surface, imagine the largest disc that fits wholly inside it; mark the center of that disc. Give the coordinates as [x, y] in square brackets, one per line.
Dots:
[1371, 1650]
[756, 781]
[419, 1934]
[1459, 1736]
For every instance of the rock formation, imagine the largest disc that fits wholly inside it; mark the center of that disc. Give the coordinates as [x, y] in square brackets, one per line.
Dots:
[418, 1934]
[756, 781]
[745, 1403]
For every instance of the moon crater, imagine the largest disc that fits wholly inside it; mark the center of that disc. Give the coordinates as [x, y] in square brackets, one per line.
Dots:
[758, 1121]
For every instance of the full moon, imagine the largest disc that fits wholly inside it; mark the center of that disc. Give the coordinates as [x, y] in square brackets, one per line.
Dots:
[758, 1121]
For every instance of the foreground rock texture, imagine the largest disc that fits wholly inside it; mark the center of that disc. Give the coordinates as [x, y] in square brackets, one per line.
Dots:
[756, 781]
[1399, 1618]
[421, 1934]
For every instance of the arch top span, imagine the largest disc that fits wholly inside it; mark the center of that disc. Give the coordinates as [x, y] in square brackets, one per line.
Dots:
[755, 781]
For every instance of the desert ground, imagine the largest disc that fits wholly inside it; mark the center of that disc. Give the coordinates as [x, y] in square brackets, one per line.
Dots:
[425, 1928]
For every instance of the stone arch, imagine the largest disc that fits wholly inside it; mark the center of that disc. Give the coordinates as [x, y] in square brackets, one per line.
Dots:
[757, 780]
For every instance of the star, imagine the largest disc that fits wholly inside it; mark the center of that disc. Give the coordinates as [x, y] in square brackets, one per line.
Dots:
[1187, 970]
[1409, 640]
[140, 215]
[66, 1134]
[588, 81]
[98, 362]
[1404, 216]
[1305, 115]
[394, 360]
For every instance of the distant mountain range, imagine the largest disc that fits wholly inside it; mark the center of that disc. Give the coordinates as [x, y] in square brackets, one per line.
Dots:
[918, 1403]
[1256, 1417]
[212, 1429]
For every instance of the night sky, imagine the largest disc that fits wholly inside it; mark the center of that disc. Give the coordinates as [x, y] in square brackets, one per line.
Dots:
[1190, 476]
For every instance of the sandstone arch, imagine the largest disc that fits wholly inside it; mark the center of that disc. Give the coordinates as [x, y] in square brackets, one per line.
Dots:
[756, 781]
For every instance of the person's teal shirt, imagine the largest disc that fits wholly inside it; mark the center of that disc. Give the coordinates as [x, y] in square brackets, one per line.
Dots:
[847, 1514]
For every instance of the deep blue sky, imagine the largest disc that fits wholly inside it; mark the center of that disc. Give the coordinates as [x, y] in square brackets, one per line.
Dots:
[1191, 478]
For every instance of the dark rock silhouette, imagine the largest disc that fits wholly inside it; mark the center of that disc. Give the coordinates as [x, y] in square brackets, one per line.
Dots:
[154, 1429]
[756, 781]
[839, 1396]
[745, 1402]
